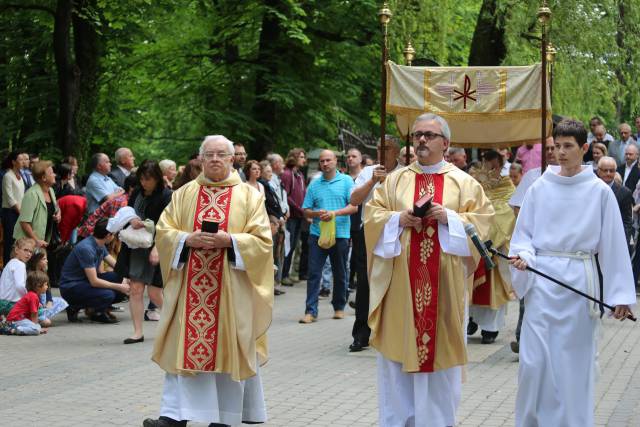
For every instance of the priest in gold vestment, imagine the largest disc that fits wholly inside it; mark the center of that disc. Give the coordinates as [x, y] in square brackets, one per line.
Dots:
[492, 288]
[417, 269]
[218, 297]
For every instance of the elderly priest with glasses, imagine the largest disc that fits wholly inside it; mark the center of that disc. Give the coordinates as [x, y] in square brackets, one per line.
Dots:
[418, 270]
[216, 258]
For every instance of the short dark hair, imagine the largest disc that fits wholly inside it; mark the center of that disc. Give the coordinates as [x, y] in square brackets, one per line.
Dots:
[238, 144]
[7, 162]
[571, 127]
[95, 159]
[35, 279]
[130, 182]
[151, 169]
[494, 155]
[100, 229]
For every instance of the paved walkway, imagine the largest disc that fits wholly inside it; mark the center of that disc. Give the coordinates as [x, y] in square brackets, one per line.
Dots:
[82, 375]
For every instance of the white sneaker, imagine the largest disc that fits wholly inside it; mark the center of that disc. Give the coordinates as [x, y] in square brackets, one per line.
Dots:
[151, 315]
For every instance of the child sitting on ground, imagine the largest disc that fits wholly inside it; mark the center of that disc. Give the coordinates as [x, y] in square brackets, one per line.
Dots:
[23, 317]
[14, 275]
[50, 305]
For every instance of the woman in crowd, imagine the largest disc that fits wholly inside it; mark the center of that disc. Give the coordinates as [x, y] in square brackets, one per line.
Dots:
[63, 186]
[72, 181]
[39, 208]
[598, 151]
[14, 275]
[50, 305]
[12, 195]
[252, 171]
[190, 172]
[169, 171]
[141, 265]
[515, 173]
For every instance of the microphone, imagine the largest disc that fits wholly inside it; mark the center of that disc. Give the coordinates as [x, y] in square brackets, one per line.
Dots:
[471, 232]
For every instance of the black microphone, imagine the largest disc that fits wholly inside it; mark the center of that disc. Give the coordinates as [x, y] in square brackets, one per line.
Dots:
[471, 232]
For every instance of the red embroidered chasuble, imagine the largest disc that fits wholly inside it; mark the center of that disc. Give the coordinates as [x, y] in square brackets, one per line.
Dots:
[204, 284]
[424, 273]
[482, 283]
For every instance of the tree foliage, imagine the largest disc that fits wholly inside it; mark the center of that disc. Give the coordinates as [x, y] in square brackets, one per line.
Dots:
[159, 75]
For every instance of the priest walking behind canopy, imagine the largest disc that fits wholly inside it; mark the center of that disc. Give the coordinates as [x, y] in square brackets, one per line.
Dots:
[218, 296]
[418, 269]
[558, 342]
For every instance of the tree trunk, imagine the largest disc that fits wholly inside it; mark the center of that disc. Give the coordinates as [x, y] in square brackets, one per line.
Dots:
[264, 110]
[67, 76]
[488, 45]
[88, 51]
[624, 57]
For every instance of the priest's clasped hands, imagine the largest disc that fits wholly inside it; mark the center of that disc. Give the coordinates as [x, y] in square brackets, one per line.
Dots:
[437, 211]
[203, 240]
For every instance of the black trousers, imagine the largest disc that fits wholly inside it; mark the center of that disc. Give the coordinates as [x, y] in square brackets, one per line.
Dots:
[361, 330]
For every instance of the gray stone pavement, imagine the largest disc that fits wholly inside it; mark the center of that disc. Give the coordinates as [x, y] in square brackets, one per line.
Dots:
[82, 375]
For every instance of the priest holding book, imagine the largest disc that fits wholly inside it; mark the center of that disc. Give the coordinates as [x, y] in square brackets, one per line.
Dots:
[418, 267]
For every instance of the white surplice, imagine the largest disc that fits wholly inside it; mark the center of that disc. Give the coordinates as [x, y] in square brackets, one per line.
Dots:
[420, 399]
[563, 223]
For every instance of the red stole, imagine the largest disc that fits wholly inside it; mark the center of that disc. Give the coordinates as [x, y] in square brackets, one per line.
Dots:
[482, 285]
[424, 273]
[204, 284]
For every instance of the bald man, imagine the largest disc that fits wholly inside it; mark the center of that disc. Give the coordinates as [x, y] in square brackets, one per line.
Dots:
[617, 148]
[327, 199]
[402, 157]
[629, 169]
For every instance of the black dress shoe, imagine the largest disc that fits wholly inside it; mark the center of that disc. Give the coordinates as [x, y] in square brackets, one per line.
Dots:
[163, 422]
[133, 340]
[489, 337]
[219, 425]
[472, 327]
[278, 292]
[72, 315]
[357, 346]
[102, 318]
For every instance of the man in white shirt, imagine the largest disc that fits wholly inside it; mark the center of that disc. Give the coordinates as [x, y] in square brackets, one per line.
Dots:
[629, 170]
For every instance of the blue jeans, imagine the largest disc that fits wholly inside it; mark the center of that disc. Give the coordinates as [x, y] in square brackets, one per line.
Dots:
[317, 256]
[326, 283]
[83, 295]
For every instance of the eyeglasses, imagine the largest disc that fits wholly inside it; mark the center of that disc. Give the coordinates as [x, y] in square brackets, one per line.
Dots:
[212, 155]
[429, 136]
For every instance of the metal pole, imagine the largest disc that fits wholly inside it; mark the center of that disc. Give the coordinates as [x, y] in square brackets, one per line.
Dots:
[384, 16]
[544, 15]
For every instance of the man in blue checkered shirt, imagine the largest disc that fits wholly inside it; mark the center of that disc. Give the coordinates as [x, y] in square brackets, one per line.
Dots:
[328, 197]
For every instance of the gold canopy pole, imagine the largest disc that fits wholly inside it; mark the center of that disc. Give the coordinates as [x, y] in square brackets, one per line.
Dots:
[409, 53]
[544, 16]
[384, 15]
[551, 59]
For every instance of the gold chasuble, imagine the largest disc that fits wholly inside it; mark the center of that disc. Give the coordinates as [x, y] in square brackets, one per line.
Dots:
[214, 317]
[417, 299]
[492, 290]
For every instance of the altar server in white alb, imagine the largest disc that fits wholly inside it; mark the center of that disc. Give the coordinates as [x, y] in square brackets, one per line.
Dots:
[567, 217]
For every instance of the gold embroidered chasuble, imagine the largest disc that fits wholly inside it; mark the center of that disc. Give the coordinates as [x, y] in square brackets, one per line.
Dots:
[214, 317]
[492, 290]
[392, 304]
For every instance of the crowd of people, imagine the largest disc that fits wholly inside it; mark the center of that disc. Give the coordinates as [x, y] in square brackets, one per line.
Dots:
[98, 240]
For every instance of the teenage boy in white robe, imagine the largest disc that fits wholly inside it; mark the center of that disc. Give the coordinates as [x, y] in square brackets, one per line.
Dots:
[567, 217]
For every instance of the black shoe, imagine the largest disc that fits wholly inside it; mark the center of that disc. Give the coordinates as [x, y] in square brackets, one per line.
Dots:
[489, 337]
[472, 327]
[133, 340]
[102, 318]
[357, 346]
[163, 422]
[219, 425]
[515, 346]
[325, 293]
[72, 315]
[278, 292]
[352, 304]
